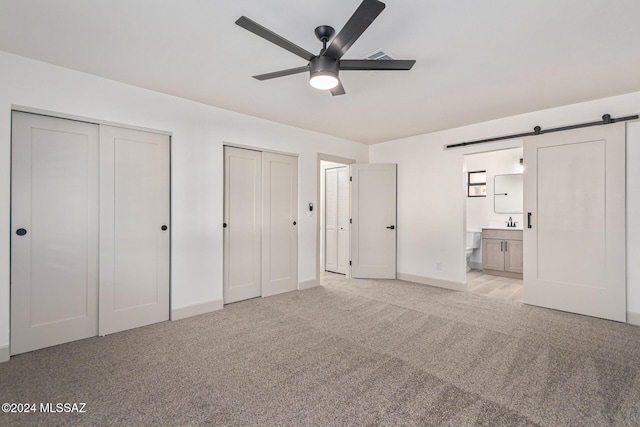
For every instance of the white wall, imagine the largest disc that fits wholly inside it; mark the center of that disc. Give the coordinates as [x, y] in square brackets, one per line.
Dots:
[431, 187]
[480, 210]
[199, 132]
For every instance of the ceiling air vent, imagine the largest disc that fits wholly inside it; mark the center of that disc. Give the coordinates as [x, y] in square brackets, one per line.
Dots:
[379, 55]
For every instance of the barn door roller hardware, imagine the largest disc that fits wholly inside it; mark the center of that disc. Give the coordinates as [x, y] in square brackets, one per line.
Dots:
[606, 120]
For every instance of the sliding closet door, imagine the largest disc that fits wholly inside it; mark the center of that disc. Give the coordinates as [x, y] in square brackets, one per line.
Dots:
[279, 223]
[134, 228]
[242, 224]
[54, 231]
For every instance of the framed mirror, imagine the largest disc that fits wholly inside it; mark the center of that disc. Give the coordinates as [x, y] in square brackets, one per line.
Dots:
[507, 194]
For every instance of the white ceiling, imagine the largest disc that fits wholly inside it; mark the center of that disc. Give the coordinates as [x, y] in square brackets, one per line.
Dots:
[476, 60]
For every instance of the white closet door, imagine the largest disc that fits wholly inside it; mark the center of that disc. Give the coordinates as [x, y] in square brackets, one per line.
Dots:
[279, 223]
[54, 200]
[373, 232]
[343, 220]
[331, 219]
[242, 225]
[337, 220]
[134, 228]
[574, 244]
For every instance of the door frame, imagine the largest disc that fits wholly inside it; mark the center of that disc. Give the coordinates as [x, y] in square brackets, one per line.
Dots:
[327, 158]
[99, 122]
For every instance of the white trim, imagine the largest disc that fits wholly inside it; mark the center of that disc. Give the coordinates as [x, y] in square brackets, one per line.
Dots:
[432, 281]
[308, 284]
[4, 353]
[196, 309]
[85, 119]
[633, 318]
[260, 149]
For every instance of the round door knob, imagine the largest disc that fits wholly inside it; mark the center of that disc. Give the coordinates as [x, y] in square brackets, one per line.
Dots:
[164, 228]
[224, 225]
[21, 231]
[294, 223]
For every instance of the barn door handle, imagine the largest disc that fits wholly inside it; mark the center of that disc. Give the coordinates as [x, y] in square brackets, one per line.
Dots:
[21, 231]
[529, 220]
[391, 227]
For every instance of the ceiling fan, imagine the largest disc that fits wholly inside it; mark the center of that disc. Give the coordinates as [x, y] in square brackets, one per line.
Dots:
[324, 67]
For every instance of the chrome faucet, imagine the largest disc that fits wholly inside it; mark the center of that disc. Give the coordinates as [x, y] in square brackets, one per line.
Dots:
[511, 223]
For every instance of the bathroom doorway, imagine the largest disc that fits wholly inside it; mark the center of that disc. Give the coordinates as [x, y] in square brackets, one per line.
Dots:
[493, 202]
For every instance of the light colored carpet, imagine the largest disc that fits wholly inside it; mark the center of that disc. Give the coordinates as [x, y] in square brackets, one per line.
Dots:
[352, 352]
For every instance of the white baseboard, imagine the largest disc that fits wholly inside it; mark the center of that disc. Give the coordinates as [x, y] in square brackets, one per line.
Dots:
[4, 353]
[431, 281]
[196, 309]
[307, 285]
[633, 318]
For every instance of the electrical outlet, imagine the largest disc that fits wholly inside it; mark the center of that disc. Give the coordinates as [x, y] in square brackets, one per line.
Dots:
[438, 266]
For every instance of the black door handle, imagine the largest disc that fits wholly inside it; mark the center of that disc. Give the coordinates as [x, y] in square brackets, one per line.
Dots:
[294, 223]
[529, 220]
[21, 231]
[164, 228]
[224, 225]
[391, 227]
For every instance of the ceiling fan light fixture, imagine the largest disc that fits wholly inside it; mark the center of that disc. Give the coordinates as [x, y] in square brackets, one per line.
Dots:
[323, 81]
[324, 73]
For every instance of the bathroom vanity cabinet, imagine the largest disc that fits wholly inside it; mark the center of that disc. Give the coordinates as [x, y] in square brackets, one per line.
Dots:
[502, 252]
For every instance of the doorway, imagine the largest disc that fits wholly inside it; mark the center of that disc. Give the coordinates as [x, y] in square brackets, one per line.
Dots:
[489, 271]
[328, 162]
[334, 208]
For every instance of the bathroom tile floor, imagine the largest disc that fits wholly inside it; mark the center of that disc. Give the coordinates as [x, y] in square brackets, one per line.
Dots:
[494, 286]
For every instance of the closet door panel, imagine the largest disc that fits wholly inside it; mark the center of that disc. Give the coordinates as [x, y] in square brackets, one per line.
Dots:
[54, 239]
[279, 223]
[135, 232]
[242, 234]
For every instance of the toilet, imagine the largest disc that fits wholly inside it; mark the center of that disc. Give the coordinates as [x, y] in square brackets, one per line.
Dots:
[473, 243]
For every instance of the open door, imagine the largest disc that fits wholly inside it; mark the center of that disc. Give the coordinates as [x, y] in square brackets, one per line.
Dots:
[373, 215]
[574, 234]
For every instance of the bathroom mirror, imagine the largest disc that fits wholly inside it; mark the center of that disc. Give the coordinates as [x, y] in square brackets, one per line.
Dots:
[507, 194]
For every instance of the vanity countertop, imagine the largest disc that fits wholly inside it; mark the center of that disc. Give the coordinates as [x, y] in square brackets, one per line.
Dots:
[503, 228]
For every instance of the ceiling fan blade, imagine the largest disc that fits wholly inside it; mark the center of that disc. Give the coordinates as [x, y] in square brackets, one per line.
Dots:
[383, 64]
[338, 90]
[269, 35]
[282, 73]
[355, 26]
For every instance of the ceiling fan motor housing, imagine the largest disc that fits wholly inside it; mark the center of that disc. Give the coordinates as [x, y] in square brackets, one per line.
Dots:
[323, 65]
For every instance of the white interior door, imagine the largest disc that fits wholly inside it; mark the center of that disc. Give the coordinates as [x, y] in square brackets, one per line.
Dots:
[242, 224]
[134, 228]
[343, 220]
[331, 219]
[279, 223]
[574, 252]
[373, 231]
[337, 220]
[54, 200]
